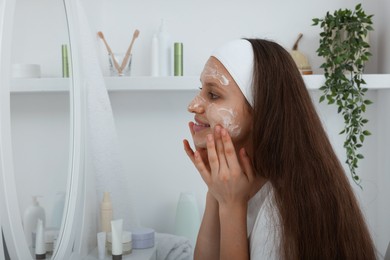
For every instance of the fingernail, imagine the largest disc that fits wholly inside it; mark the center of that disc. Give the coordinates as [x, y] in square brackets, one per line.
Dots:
[209, 137]
[223, 132]
[217, 128]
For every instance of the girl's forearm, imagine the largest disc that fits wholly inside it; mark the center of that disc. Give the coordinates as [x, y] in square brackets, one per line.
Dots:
[208, 242]
[234, 241]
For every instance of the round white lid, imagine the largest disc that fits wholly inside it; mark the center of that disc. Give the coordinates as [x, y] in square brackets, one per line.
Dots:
[142, 233]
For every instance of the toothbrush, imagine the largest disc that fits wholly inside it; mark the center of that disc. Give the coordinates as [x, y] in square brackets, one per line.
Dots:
[100, 34]
[127, 56]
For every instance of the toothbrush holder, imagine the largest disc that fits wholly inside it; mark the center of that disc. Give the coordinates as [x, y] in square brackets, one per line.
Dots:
[114, 70]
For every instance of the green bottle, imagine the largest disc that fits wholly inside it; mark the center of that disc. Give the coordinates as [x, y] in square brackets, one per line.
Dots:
[178, 59]
[65, 61]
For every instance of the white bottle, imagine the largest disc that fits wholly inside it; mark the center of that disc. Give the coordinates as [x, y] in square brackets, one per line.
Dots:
[58, 211]
[30, 219]
[164, 51]
[154, 57]
[106, 213]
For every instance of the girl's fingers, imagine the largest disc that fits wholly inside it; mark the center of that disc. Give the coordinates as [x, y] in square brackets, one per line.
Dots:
[247, 165]
[189, 150]
[219, 145]
[212, 154]
[202, 168]
[229, 151]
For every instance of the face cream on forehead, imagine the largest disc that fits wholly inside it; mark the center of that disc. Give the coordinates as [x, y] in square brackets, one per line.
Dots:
[214, 71]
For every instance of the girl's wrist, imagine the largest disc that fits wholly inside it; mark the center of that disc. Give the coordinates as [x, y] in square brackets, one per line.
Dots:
[229, 207]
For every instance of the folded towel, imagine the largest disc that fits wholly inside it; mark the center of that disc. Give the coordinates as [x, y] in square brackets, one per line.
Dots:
[171, 247]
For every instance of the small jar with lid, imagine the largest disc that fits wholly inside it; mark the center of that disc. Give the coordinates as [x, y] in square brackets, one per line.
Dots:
[126, 242]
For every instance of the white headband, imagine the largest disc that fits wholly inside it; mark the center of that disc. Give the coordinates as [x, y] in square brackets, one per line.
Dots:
[237, 57]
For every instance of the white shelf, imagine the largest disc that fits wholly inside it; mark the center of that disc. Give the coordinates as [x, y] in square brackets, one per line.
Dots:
[23, 85]
[26, 85]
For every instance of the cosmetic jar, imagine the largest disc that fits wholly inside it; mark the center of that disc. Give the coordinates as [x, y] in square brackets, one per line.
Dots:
[143, 238]
[51, 235]
[126, 242]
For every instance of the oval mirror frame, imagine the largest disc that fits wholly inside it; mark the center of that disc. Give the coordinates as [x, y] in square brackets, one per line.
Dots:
[10, 217]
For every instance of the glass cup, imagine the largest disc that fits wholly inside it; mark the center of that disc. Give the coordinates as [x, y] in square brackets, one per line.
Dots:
[115, 62]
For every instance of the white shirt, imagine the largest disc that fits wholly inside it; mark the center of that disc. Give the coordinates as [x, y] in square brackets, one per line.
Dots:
[263, 225]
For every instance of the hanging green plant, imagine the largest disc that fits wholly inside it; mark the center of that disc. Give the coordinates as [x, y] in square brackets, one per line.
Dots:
[343, 44]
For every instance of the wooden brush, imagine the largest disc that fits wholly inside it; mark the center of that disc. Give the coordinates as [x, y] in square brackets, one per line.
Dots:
[116, 65]
[128, 52]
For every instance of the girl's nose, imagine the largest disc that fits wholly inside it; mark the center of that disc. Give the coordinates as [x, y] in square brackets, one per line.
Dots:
[197, 105]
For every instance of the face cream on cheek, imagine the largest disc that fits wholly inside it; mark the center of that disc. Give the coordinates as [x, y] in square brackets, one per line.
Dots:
[224, 116]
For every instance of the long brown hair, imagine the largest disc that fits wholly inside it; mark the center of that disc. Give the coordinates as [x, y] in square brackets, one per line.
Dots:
[319, 214]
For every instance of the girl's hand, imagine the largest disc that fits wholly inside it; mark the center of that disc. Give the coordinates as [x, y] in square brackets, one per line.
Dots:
[227, 180]
[190, 152]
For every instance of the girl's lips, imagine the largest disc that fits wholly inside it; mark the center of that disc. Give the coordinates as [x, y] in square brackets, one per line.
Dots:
[199, 127]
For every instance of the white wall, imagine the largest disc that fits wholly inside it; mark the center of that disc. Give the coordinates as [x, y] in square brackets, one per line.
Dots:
[203, 25]
[383, 35]
[151, 125]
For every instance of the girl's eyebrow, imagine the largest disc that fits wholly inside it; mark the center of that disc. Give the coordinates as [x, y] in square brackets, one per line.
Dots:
[213, 85]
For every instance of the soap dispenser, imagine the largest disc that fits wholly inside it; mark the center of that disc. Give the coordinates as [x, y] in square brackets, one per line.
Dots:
[30, 219]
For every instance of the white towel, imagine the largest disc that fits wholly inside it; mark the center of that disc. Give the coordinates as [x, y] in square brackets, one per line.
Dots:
[102, 154]
[171, 247]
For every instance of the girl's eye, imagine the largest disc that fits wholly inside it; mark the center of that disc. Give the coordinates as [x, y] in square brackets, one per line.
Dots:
[213, 96]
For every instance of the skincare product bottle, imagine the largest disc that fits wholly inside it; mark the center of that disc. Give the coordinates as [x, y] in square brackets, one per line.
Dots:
[40, 246]
[101, 240]
[30, 220]
[154, 57]
[187, 221]
[65, 61]
[106, 213]
[117, 247]
[178, 59]
[164, 51]
[58, 210]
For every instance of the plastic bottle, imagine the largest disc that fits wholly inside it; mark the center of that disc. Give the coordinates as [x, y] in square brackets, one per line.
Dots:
[106, 213]
[154, 57]
[30, 219]
[58, 211]
[178, 59]
[187, 221]
[164, 51]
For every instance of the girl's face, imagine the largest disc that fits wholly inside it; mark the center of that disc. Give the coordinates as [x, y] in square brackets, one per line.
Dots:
[220, 101]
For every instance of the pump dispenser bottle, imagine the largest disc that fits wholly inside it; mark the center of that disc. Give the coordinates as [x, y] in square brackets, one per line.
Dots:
[155, 71]
[106, 213]
[164, 51]
[30, 220]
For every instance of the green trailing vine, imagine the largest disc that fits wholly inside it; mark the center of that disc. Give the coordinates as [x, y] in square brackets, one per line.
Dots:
[344, 46]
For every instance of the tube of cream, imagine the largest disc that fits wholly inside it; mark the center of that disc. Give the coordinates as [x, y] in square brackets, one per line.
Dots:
[40, 247]
[101, 240]
[117, 247]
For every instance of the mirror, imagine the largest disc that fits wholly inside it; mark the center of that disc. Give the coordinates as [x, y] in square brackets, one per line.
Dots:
[41, 116]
